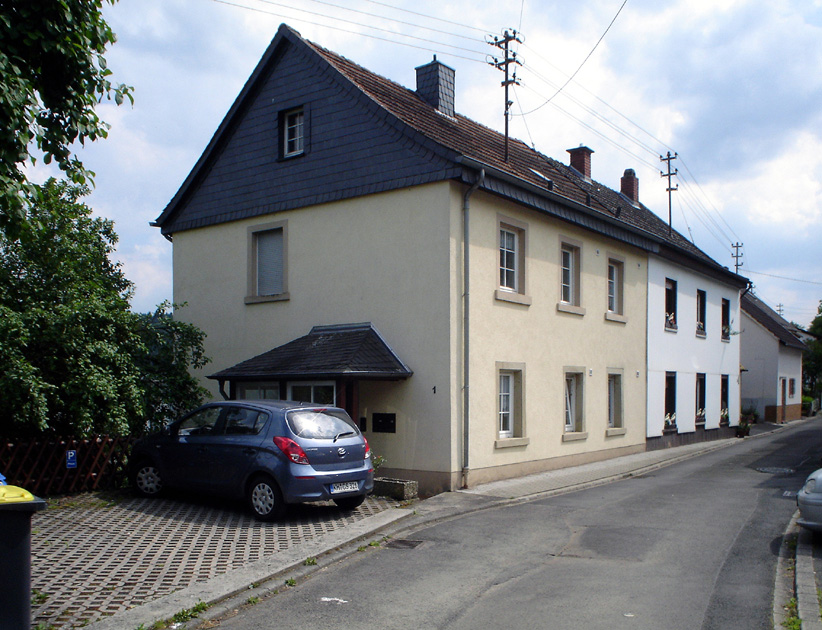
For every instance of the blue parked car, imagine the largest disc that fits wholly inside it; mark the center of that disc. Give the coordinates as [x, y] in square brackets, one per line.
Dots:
[271, 452]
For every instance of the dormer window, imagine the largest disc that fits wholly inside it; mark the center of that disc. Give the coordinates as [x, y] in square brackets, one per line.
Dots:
[293, 132]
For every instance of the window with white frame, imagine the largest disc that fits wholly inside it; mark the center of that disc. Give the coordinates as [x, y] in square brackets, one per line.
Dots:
[615, 401]
[616, 270]
[317, 392]
[574, 420]
[512, 252]
[258, 391]
[569, 276]
[506, 404]
[508, 260]
[510, 404]
[267, 262]
[293, 132]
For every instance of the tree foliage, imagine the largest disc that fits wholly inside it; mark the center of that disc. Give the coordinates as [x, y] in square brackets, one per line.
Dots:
[52, 76]
[812, 358]
[74, 359]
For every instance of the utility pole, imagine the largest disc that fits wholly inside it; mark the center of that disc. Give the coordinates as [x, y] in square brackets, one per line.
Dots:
[780, 308]
[669, 189]
[736, 256]
[509, 57]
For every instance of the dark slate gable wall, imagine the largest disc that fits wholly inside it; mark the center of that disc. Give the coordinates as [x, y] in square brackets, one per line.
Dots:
[354, 147]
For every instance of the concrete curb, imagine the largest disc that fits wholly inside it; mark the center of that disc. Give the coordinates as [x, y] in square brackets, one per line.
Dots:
[807, 600]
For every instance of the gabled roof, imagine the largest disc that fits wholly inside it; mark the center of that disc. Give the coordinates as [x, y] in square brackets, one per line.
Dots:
[527, 176]
[771, 320]
[356, 350]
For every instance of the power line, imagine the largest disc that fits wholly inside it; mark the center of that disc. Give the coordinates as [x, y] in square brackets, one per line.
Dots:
[430, 17]
[770, 275]
[360, 34]
[571, 78]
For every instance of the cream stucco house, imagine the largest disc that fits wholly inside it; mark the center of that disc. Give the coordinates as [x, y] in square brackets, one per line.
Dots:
[345, 239]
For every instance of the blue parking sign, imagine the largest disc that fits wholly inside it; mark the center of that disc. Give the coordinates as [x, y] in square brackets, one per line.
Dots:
[71, 459]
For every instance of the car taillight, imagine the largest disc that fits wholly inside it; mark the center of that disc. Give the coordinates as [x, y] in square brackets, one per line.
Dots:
[367, 448]
[291, 449]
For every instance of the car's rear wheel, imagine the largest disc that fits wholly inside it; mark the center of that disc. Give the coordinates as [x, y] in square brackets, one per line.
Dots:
[146, 479]
[350, 503]
[265, 498]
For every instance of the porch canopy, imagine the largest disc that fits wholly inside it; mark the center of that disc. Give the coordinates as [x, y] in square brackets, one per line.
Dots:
[340, 352]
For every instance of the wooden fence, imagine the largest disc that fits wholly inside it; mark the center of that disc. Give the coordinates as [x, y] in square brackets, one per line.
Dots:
[52, 466]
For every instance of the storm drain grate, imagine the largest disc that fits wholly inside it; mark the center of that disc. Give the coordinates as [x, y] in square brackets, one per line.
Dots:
[776, 470]
[403, 544]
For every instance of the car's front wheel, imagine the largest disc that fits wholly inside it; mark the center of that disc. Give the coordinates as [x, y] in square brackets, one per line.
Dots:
[265, 499]
[350, 503]
[146, 479]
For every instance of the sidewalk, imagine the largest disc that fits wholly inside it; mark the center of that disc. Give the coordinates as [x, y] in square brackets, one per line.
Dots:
[198, 552]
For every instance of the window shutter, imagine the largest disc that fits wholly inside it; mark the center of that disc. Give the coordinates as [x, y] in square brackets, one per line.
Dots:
[270, 262]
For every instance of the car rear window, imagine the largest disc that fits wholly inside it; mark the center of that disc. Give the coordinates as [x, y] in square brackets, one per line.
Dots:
[321, 424]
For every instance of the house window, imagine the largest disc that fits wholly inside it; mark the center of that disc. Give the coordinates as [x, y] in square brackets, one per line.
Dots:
[508, 260]
[726, 319]
[700, 399]
[574, 417]
[670, 401]
[614, 401]
[670, 304]
[510, 404]
[258, 391]
[701, 305]
[615, 283]
[569, 280]
[293, 127]
[724, 397]
[512, 250]
[268, 248]
[792, 387]
[317, 392]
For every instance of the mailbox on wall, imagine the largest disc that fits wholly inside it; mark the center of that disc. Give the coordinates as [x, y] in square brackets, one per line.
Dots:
[384, 422]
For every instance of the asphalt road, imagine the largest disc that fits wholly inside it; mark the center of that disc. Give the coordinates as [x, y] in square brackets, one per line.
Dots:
[692, 545]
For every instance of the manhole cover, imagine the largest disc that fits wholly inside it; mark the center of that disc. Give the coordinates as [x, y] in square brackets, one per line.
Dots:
[403, 544]
[776, 470]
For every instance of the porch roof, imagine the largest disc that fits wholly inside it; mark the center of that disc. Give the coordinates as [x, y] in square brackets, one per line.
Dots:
[341, 350]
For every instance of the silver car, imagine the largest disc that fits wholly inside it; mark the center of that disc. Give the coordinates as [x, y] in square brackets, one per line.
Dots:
[809, 500]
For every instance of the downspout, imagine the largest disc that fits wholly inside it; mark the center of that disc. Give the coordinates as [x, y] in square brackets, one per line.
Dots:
[466, 206]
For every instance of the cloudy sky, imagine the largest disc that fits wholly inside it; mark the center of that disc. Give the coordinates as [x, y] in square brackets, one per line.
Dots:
[732, 86]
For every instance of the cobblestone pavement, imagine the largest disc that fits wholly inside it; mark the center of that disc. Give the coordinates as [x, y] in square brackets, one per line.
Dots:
[96, 554]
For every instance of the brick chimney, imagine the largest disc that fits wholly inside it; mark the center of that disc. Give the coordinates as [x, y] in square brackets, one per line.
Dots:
[581, 160]
[629, 185]
[435, 85]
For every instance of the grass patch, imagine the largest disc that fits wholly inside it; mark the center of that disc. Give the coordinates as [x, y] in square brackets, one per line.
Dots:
[792, 622]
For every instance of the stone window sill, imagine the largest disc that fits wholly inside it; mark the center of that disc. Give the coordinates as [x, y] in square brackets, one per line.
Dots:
[511, 442]
[510, 296]
[615, 317]
[574, 436]
[258, 299]
[615, 431]
[564, 307]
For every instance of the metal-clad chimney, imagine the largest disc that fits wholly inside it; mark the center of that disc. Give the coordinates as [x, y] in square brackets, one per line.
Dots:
[435, 85]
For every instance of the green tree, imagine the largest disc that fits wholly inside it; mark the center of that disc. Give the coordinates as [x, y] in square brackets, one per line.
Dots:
[812, 358]
[170, 348]
[52, 76]
[74, 359]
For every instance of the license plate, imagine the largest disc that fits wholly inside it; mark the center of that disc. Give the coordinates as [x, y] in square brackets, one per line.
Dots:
[345, 486]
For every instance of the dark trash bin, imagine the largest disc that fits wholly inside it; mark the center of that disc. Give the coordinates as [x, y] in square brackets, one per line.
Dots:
[16, 507]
